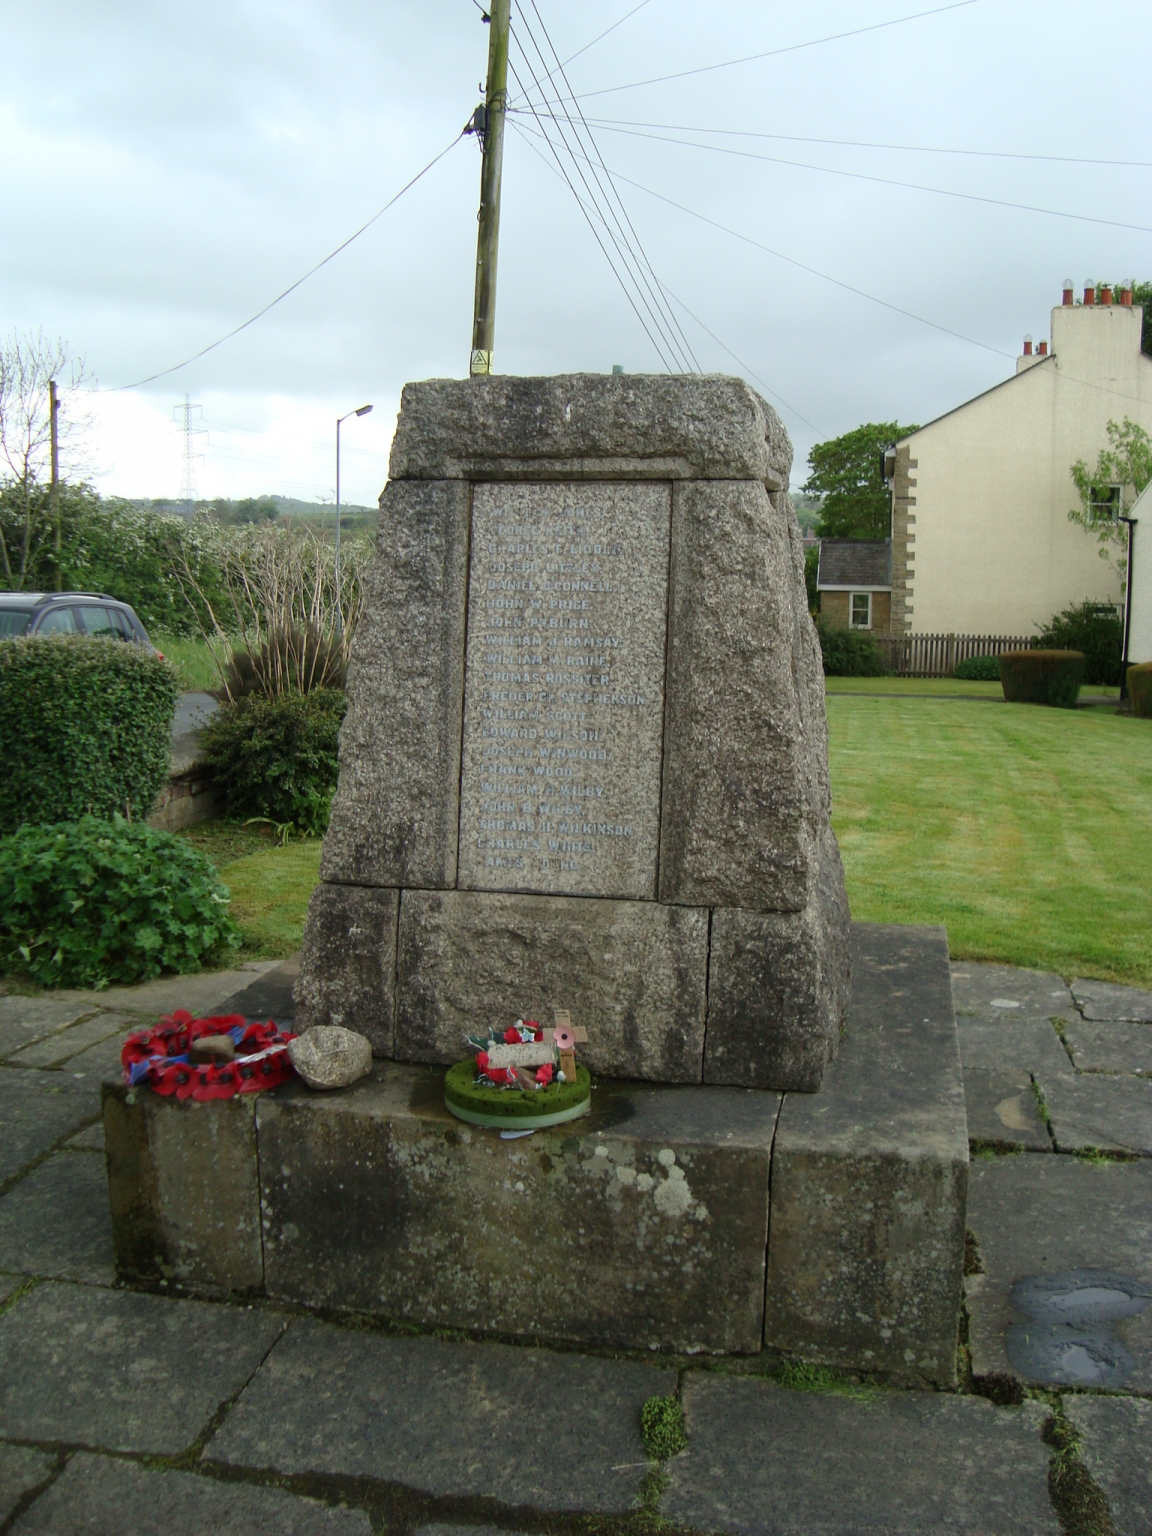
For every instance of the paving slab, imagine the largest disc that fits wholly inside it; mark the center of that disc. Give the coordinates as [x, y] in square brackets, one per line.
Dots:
[463, 1530]
[1002, 1111]
[100, 1061]
[989, 991]
[100, 1496]
[37, 1109]
[765, 1461]
[57, 1048]
[1044, 1216]
[200, 993]
[90, 1140]
[1011, 1043]
[122, 1371]
[1108, 1114]
[1116, 1447]
[21, 1469]
[26, 1019]
[1105, 1000]
[55, 1222]
[8, 1284]
[269, 996]
[1110, 1047]
[547, 1431]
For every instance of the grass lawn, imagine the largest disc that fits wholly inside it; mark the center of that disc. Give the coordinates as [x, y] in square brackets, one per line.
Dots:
[1026, 831]
[270, 884]
[927, 687]
[192, 659]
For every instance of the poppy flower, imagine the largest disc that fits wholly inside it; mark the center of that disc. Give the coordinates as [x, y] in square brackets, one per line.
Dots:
[544, 1073]
[511, 1035]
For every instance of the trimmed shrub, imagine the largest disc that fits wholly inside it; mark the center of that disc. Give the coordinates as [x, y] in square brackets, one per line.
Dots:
[1042, 677]
[1097, 630]
[91, 902]
[277, 757]
[978, 669]
[1140, 689]
[848, 652]
[85, 728]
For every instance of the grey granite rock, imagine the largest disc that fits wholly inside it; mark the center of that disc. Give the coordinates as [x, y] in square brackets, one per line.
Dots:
[778, 988]
[328, 1056]
[564, 689]
[761, 1459]
[1097, 1113]
[869, 1177]
[745, 774]
[552, 1431]
[634, 973]
[103, 1496]
[1116, 1447]
[1105, 1000]
[55, 1223]
[39, 1109]
[1044, 1215]
[21, 1470]
[1110, 1047]
[182, 1184]
[348, 963]
[121, 1371]
[589, 426]
[395, 816]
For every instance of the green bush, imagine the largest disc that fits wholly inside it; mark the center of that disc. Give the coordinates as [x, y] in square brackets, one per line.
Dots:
[978, 669]
[848, 652]
[91, 902]
[277, 757]
[1042, 677]
[1097, 630]
[85, 728]
[291, 660]
[1140, 689]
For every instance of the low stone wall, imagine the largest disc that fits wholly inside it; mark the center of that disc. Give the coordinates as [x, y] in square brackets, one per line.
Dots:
[189, 795]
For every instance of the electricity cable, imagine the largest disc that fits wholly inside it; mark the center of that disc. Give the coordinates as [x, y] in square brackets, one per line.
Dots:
[772, 53]
[260, 313]
[683, 347]
[600, 36]
[885, 181]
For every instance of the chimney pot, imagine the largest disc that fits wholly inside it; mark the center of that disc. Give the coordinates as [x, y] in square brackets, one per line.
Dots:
[1089, 291]
[1027, 346]
[1069, 292]
[1106, 293]
[1043, 349]
[1126, 293]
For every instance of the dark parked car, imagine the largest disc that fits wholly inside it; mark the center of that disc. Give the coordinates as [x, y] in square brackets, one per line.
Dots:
[69, 613]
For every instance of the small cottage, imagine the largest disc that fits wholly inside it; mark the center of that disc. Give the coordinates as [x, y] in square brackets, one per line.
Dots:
[854, 580]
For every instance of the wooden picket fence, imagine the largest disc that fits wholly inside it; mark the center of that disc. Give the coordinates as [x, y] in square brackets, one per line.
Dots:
[938, 655]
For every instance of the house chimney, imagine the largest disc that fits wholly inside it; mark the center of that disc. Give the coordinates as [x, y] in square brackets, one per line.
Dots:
[1106, 293]
[1027, 346]
[1126, 293]
[1043, 349]
[1089, 291]
[1069, 294]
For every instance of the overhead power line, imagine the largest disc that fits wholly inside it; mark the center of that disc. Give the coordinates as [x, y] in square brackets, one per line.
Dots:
[260, 313]
[917, 149]
[884, 181]
[773, 53]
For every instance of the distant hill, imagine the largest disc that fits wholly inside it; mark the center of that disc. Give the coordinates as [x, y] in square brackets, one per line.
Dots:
[259, 509]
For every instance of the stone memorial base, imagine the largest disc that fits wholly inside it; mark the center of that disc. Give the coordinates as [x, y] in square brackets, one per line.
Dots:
[827, 1227]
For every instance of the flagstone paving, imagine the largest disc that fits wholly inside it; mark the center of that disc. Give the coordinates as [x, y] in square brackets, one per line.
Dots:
[124, 1413]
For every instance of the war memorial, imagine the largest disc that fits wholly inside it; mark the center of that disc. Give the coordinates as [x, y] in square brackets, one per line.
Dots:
[584, 768]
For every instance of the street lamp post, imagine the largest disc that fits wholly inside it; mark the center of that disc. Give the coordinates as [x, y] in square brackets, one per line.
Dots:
[360, 411]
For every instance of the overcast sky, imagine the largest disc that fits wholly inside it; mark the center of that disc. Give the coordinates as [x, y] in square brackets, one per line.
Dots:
[166, 170]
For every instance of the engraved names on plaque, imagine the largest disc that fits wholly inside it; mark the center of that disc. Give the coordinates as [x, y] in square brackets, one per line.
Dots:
[564, 689]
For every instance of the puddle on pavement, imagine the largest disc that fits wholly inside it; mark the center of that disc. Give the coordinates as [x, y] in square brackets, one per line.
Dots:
[1068, 1340]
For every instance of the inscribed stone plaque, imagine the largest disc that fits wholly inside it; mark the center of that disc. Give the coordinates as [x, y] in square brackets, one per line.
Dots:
[564, 689]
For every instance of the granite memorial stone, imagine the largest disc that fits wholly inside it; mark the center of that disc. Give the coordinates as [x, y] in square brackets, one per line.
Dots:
[585, 756]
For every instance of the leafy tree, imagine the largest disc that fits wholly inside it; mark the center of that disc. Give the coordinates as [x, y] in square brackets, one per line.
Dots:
[847, 471]
[1121, 473]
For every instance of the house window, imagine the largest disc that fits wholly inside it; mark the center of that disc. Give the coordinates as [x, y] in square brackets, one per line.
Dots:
[861, 610]
[1105, 503]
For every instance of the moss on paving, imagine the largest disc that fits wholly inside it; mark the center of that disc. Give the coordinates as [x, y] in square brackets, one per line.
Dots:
[1024, 830]
[1079, 1503]
[801, 1376]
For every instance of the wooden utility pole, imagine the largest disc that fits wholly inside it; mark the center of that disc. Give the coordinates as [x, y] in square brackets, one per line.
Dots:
[492, 142]
[54, 485]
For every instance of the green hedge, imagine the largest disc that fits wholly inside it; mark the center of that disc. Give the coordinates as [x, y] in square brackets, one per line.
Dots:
[1140, 689]
[1042, 677]
[848, 652]
[92, 902]
[85, 728]
[978, 669]
[1097, 630]
[277, 757]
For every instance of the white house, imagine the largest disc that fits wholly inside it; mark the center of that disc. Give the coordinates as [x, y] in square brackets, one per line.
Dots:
[981, 540]
[1140, 623]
